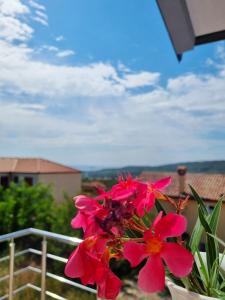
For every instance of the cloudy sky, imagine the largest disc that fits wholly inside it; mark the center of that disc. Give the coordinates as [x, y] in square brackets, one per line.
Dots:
[96, 82]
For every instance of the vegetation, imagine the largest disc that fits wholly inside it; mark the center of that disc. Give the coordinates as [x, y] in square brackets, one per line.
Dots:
[23, 206]
[193, 167]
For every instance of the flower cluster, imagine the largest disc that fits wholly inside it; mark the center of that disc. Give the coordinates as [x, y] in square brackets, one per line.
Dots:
[108, 221]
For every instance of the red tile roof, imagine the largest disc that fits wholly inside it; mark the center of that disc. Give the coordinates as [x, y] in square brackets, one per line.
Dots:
[208, 186]
[33, 165]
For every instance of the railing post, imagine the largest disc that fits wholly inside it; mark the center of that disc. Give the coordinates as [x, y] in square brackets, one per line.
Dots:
[43, 268]
[11, 267]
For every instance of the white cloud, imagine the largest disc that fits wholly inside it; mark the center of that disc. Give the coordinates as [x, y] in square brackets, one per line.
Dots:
[36, 5]
[41, 17]
[26, 75]
[65, 53]
[59, 38]
[141, 79]
[221, 51]
[89, 113]
[11, 26]
[13, 8]
[41, 21]
[49, 48]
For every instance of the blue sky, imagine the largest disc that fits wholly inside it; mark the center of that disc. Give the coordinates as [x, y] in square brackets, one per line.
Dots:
[94, 82]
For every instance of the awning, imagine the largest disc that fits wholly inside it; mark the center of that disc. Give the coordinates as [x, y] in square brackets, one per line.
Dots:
[193, 22]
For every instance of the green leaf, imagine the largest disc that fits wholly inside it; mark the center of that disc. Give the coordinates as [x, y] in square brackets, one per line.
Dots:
[215, 216]
[159, 207]
[212, 252]
[218, 239]
[196, 235]
[203, 271]
[199, 200]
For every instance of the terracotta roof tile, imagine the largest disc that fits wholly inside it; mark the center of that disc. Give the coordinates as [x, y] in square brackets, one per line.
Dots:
[33, 165]
[209, 186]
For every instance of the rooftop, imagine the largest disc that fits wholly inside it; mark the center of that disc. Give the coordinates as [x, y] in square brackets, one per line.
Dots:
[33, 165]
[209, 186]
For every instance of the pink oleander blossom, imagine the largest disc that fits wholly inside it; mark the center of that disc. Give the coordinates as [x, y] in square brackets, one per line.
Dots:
[127, 187]
[153, 191]
[151, 278]
[89, 212]
[90, 263]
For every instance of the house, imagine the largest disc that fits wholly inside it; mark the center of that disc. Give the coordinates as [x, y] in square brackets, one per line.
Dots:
[35, 170]
[209, 186]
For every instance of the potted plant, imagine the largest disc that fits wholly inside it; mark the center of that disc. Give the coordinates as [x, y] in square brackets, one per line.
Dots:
[207, 279]
[119, 224]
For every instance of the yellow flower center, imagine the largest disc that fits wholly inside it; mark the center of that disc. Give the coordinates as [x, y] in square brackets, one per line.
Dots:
[154, 245]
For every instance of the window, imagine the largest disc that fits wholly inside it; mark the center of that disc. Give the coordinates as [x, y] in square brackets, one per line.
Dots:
[28, 180]
[5, 181]
[16, 179]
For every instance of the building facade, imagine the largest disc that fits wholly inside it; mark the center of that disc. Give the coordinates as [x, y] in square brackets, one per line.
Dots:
[63, 179]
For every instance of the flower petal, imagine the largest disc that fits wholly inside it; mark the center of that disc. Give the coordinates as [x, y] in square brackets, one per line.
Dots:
[150, 201]
[178, 259]
[140, 206]
[162, 183]
[134, 253]
[109, 288]
[157, 219]
[75, 266]
[79, 221]
[86, 204]
[151, 278]
[92, 228]
[171, 225]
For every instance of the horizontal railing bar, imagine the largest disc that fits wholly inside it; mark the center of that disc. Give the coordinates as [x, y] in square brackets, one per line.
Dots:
[5, 277]
[70, 282]
[15, 273]
[53, 295]
[58, 258]
[38, 252]
[34, 287]
[16, 255]
[36, 270]
[23, 287]
[49, 255]
[29, 231]
[64, 280]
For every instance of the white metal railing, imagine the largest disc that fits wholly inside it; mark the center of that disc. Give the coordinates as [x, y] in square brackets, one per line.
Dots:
[11, 237]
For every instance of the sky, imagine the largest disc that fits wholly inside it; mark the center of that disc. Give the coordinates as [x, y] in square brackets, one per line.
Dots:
[97, 83]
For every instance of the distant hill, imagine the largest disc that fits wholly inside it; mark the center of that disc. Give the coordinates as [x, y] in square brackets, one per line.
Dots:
[193, 167]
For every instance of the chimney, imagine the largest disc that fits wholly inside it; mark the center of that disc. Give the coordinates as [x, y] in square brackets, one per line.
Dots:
[181, 171]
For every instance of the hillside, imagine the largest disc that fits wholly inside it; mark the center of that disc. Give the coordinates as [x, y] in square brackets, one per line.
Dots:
[193, 167]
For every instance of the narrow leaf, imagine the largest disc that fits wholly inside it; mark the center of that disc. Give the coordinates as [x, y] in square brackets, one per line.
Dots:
[215, 216]
[199, 200]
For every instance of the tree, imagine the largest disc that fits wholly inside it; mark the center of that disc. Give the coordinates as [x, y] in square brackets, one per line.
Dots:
[23, 206]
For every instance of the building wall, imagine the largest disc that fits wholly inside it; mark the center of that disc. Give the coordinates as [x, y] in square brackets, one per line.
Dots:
[19, 177]
[66, 182]
[22, 176]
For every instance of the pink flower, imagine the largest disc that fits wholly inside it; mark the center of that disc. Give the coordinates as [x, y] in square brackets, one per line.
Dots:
[151, 278]
[90, 263]
[153, 191]
[126, 188]
[89, 212]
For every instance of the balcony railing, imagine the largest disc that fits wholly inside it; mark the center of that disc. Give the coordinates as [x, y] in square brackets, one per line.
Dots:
[45, 235]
